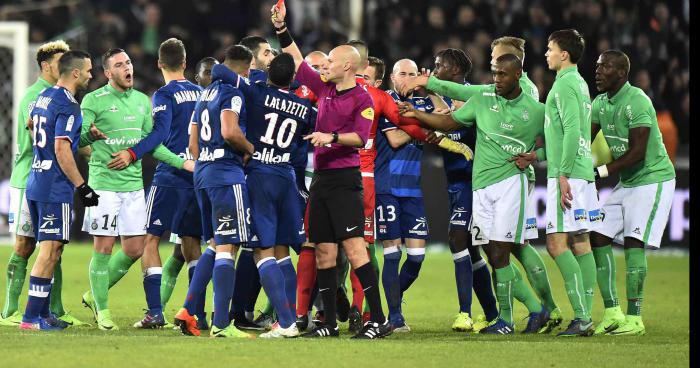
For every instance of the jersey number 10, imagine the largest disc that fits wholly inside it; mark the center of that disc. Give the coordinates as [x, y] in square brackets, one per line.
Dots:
[288, 128]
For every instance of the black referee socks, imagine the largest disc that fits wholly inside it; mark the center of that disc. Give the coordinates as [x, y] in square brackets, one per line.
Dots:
[370, 285]
[328, 287]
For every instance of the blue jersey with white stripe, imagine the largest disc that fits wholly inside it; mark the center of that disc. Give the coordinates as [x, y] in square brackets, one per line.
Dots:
[404, 167]
[173, 105]
[56, 115]
[218, 164]
[457, 169]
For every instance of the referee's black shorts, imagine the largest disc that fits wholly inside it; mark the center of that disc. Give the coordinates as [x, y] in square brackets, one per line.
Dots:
[336, 210]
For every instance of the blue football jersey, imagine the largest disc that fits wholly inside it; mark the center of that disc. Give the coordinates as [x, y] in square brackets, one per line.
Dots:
[257, 75]
[404, 167]
[173, 105]
[218, 163]
[276, 120]
[385, 153]
[56, 115]
[457, 169]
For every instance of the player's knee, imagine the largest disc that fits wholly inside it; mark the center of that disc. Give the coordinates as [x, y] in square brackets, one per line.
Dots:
[24, 246]
[599, 240]
[631, 242]
[133, 252]
[458, 241]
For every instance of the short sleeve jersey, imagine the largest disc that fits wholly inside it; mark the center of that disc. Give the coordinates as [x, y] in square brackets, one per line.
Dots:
[56, 115]
[631, 108]
[219, 164]
[504, 128]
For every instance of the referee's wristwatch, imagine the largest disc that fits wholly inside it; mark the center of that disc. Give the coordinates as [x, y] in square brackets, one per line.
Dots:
[335, 137]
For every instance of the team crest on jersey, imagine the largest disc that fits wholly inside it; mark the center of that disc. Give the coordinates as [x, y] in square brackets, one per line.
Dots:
[526, 115]
[26, 227]
[628, 111]
[368, 113]
[94, 225]
[113, 108]
[142, 110]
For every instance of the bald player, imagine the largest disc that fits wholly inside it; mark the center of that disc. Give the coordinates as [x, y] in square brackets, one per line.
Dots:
[345, 113]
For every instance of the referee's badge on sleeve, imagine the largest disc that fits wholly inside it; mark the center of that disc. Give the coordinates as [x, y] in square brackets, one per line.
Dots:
[368, 113]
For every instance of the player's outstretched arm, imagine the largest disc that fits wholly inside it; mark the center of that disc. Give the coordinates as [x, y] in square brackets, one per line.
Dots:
[162, 118]
[435, 121]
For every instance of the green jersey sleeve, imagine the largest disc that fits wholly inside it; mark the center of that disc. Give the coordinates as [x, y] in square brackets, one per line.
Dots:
[161, 153]
[637, 113]
[568, 110]
[455, 91]
[88, 110]
[466, 115]
[595, 111]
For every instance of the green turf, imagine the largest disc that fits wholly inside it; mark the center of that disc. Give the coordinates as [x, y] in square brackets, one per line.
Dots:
[429, 308]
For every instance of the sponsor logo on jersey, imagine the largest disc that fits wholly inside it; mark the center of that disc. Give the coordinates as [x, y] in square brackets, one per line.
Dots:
[113, 108]
[11, 218]
[457, 217]
[268, 156]
[41, 165]
[509, 235]
[69, 123]
[122, 141]
[506, 126]
[580, 215]
[158, 109]
[157, 222]
[637, 231]
[206, 155]
[494, 108]
[549, 225]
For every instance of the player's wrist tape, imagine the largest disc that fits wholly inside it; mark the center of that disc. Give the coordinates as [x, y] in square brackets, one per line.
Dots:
[602, 171]
[285, 38]
[282, 28]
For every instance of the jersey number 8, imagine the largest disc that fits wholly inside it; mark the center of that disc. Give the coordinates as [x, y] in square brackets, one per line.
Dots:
[206, 128]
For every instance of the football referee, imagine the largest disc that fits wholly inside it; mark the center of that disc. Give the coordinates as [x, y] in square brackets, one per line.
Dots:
[336, 213]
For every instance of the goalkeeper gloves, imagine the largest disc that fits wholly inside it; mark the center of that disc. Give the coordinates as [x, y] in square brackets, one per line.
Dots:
[87, 195]
[457, 147]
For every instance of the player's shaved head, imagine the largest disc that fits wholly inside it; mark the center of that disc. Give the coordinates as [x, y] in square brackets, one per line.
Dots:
[316, 59]
[363, 50]
[342, 63]
[618, 59]
[506, 71]
[72, 60]
[404, 65]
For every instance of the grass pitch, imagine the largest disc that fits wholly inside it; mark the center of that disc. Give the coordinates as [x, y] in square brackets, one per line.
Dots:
[429, 309]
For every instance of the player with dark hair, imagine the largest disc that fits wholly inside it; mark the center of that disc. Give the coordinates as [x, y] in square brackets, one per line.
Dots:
[57, 123]
[500, 187]
[124, 115]
[203, 71]
[217, 139]
[19, 220]
[572, 198]
[636, 212]
[171, 204]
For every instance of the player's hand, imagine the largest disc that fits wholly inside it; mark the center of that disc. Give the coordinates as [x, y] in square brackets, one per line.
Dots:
[523, 160]
[246, 158]
[406, 109]
[445, 111]
[319, 139]
[96, 134]
[188, 166]
[30, 125]
[434, 137]
[566, 196]
[121, 160]
[87, 196]
[413, 83]
[304, 194]
[278, 13]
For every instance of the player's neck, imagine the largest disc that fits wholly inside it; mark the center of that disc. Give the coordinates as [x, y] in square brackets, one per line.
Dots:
[116, 87]
[47, 77]
[169, 76]
[514, 93]
[69, 85]
[347, 82]
[565, 65]
[616, 89]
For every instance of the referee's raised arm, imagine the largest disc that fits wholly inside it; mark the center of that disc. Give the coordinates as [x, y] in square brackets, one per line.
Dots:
[336, 206]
